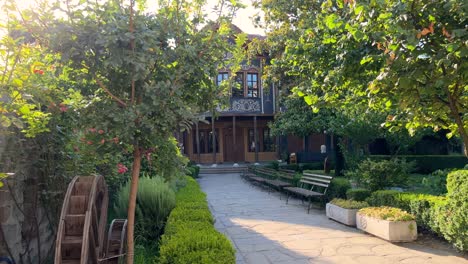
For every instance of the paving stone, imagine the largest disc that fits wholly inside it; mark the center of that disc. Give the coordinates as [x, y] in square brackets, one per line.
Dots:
[265, 230]
[256, 258]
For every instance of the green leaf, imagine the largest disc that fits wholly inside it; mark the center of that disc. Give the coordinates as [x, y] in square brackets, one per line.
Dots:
[308, 99]
[366, 60]
[24, 110]
[330, 21]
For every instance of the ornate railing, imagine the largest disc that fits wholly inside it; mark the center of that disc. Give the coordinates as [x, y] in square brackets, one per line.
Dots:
[243, 105]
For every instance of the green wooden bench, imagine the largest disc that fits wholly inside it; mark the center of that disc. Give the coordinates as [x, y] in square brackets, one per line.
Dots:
[263, 174]
[284, 178]
[311, 185]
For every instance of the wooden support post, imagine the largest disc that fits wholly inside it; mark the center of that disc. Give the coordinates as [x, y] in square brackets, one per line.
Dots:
[197, 135]
[256, 138]
[234, 138]
[213, 137]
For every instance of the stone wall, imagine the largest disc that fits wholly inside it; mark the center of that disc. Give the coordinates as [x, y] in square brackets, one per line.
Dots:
[26, 235]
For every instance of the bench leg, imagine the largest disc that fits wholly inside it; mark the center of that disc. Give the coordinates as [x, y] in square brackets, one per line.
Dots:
[308, 207]
[287, 197]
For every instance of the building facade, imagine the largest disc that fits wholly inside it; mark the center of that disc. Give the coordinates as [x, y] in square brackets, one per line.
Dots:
[241, 132]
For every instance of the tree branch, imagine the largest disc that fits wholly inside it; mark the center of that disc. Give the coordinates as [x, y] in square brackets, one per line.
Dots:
[102, 86]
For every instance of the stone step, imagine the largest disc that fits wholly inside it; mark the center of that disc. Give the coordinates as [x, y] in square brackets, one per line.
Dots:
[222, 170]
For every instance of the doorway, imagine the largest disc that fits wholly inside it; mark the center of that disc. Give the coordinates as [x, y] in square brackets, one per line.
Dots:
[233, 152]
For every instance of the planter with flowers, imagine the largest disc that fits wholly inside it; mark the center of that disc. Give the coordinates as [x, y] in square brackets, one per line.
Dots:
[392, 224]
[344, 211]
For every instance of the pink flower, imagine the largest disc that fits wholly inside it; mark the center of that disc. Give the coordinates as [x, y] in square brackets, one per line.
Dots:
[36, 71]
[92, 130]
[89, 142]
[121, 169]
[101, 131]
[63, 108]
[103, 141]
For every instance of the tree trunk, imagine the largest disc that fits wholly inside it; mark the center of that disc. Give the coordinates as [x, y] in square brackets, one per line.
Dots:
[458, 121]
[132, 203]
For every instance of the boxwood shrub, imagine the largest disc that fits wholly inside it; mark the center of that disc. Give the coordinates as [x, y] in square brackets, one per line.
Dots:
[455, 217]
[444, 216]
[429, 163]
[358, 194]
[189, 235]
[338, 188]
[193, 171]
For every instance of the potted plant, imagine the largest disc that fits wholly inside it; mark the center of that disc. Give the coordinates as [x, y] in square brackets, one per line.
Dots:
[344, 211]
[392, 224]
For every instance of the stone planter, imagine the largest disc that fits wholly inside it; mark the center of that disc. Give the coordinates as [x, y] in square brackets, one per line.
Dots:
[393, 231]
[342, 215]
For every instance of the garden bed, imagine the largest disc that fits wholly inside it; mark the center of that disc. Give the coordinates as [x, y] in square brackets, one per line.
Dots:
[344, 211]
[389, 223]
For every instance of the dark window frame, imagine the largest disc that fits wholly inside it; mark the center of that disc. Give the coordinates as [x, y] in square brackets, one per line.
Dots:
[206, 139]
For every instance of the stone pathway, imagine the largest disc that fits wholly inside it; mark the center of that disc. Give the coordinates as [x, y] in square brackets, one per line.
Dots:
[266, 230]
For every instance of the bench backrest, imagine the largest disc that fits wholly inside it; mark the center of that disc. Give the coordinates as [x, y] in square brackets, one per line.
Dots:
[316, 181]
[286, 174]
[266, 171]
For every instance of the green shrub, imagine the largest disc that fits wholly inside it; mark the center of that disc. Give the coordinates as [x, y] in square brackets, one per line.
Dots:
[155, 200]
[294, 167]
[175, 226]
[273, 165]
[455, 216]
[349, 204]
[200, 215]
[376, 175]
[387, 213]
[189, 235]
[193, 171]
[311, 166]
[425, 207]
[436, 182]
[429, 163]
[358, 194]
[384, 197]
[338, 188]
[205, 246]
[145, 255]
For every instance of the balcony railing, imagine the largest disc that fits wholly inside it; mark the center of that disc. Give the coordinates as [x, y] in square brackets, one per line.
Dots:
[243, 105]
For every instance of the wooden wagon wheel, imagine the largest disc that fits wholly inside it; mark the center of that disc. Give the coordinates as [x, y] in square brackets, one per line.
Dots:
[81, 230]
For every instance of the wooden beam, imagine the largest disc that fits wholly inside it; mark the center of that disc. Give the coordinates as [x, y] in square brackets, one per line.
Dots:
[198, 141]
[256, 138]
[234, 138]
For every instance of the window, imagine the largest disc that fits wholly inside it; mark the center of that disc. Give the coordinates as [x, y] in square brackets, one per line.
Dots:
[238, 89]
[252, 84]
[246, 84]
[210, 141]
[251, 142]
[221, 77]
[206, 141]
[268, 145]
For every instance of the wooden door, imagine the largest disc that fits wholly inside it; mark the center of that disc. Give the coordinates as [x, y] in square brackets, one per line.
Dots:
[233, 152]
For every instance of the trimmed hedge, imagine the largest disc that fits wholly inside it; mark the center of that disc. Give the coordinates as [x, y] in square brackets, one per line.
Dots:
[189, 235]
[455, 229]
[445, 216]
[305, 166]
[193, 171]
[429, 163]
[338, 188]
[358, 194]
